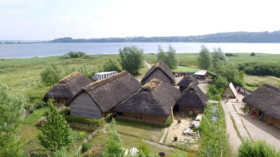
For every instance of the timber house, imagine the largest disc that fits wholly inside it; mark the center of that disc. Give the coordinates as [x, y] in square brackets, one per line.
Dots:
[153, 103]
[186, 81]
[159, 71]
[99, 98]
[266, 102]
[192, 100]
[67, 88]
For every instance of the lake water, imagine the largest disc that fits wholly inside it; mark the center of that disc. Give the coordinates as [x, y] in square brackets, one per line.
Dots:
[55, 49]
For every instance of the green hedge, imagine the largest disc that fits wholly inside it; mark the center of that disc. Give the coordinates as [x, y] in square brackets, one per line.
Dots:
[91, 122]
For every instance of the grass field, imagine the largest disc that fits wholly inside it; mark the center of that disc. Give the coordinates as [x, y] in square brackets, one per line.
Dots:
[253, 82]
[131, 134]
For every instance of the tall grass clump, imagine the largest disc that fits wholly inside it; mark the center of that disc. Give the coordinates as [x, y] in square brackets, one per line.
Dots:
[214, 139]
[257, 149]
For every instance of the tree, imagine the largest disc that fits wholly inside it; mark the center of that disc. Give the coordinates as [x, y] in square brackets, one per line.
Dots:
[11, 108]
[56, 134]
[50, 75]
[169, 57]
[204, 59]
[111, 66]
[253, 54]
[131, 59]
[113, 145]
[218, 56]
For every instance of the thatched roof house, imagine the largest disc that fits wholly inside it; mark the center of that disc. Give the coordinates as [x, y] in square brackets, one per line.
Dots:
[67, 88]
[265, 100]
[230, 91]
[186, 81]
[159, 71]
[99, 98]
[153, 103]
[192, 100]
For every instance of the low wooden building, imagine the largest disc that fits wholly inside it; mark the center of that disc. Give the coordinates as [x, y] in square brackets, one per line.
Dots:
[186, 81]
[230, 91]
[99, 98]
[67, 88]
[266, 103]
[103, 75]
[159, 71]
[201, 74]
[192, 100]
[153, 103]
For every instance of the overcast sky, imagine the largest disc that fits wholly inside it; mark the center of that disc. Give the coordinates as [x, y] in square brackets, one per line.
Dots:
[50, 19]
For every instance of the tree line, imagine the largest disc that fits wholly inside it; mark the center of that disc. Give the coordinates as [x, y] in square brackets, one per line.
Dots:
[246, 37]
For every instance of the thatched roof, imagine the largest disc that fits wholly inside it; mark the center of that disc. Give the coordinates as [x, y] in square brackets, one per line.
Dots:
[154, 98]
[109, 92]
[267, 99]
[164, 68]
[68, 86]
[192, 97]
[187, 80]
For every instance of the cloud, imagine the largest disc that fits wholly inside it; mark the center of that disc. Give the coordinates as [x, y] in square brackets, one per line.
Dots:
[31, 3]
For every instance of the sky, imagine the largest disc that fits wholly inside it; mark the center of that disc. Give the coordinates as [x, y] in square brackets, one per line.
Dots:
[50, 19]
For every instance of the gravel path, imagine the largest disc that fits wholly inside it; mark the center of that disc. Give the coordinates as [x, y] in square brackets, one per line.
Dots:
[233, 137]
[159, 145]
[163, 135]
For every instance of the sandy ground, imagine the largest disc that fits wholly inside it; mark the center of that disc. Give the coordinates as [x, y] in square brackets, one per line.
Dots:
[259, 130]
[176, 130]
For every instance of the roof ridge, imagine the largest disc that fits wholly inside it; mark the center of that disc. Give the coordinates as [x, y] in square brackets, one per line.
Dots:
[69, 77]
[99, 83]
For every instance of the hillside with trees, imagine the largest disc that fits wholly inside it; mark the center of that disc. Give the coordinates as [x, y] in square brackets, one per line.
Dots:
[232, 37]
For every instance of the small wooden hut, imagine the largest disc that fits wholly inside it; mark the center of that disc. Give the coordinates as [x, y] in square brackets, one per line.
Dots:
[153, 103]
[67, 88]
[186, 81]
[99, 98]
[159, 71]
[201, 74]
[230, 91]
[266, 103]
[192, 100]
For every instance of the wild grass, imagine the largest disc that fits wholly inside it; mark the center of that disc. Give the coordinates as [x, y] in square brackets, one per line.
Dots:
[35, 116]
[253, 82]
[184, 69]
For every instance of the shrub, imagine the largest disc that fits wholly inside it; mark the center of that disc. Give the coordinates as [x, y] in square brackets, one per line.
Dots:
[91, 122]
[86, 146]
[111, 66]
[256, 149]
[38, 103]
[253, 54]
[72, 55]
[144, 148]
[89, 57]
[169, 121]
[262, 69]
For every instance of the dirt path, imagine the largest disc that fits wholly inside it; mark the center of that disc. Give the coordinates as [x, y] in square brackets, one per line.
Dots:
[159, 145]
[147, 64]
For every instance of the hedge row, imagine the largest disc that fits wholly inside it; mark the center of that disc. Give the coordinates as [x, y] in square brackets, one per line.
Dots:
[91, 122]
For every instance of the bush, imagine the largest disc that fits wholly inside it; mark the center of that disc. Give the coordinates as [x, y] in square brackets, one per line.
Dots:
[261, 69]
[169, 121]
[38, 103]
[257, 149]
[144, 148]
[86, 146]
[253, 54]
[111, 66]
[231, 55]
[89, 57]
[91, 122]
[72, 55]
